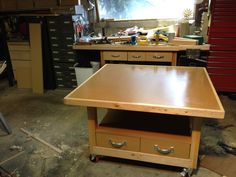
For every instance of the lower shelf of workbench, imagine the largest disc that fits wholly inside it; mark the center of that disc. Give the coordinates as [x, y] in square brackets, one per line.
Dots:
[150, 137]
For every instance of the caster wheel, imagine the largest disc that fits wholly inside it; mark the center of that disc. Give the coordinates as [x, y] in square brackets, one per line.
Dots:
[94, 158]
[186, 173]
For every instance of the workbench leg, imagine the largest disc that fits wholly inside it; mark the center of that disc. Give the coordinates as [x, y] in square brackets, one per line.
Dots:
[196, 135]
[92, 123]
[174, 59]
[103, 62]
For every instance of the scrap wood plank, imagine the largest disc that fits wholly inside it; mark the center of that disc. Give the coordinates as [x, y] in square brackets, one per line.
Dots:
[40, 140]
[12, 157]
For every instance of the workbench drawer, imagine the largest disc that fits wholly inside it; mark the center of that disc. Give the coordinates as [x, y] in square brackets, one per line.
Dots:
[120, 56]
[166, 147]
[136, 56]
[118, 141]
[159, 56]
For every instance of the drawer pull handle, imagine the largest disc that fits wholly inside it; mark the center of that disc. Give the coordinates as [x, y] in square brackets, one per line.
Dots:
[117, 145]
[115, 56]
[136, 56]
[164, 151]
[158, 57]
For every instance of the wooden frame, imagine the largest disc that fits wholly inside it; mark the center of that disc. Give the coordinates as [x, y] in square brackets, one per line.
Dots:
[137, 48]
[190, 162]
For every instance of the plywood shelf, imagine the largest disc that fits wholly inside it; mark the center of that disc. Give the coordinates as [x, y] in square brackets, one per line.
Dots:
[146, 124]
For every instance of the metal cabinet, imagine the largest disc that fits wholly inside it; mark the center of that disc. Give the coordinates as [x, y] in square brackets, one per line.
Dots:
[61, 36]
[222, 56]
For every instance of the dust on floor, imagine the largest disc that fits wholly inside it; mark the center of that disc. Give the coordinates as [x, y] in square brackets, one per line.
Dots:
[65, 127]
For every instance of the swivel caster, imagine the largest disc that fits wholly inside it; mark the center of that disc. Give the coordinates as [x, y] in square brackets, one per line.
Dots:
[187, 172]
[93, 158]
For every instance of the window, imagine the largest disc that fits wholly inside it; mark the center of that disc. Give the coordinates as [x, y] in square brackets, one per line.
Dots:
[143, 9]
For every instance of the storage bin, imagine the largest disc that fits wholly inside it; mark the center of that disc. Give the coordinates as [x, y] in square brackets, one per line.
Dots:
[83, 73]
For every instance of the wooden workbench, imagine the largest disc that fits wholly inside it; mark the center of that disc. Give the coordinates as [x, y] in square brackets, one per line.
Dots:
[154, 112]
[149, 53]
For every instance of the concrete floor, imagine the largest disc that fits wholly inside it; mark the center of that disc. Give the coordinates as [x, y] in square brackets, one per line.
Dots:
[66, 128]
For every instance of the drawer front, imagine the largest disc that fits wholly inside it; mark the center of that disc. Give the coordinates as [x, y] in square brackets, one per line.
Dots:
[64, 67]
[70, 74]
[64, 59]
[120, 56]
[25, 46]
[221, 71]
[58, 32]
[118, 142]
[20, 55]
[62, 82]
[21, 64]
[159, 56]
[166, 147]
[225, 83]
[23, 77]
[61, 46]
[136, 56]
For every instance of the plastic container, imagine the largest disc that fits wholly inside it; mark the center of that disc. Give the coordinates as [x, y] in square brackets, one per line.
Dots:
[83, 73]
[196, 37]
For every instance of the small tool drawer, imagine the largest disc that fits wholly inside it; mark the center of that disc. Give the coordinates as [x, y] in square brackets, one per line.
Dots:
[115, 55]
[159, 56]
[166, 147]
[118, 141]
[136, 56]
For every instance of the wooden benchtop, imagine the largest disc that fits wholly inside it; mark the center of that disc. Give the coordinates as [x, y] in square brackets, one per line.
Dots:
[159, 89]
[140, 47]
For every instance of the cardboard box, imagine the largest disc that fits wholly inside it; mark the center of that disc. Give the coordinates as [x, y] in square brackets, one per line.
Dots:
[45, 3]
[8, 5]
[68, 2]
[25, 4]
